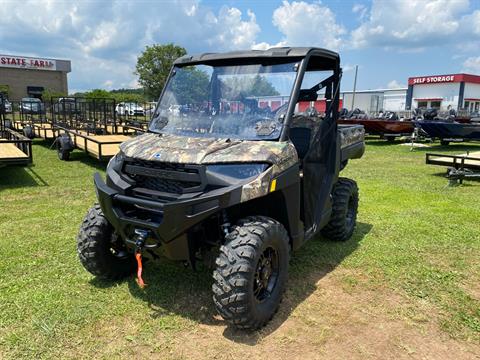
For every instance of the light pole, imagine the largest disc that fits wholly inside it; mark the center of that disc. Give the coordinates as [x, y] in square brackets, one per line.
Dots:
[354, 86]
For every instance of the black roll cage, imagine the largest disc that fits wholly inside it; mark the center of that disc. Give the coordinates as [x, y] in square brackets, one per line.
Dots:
[276, 56]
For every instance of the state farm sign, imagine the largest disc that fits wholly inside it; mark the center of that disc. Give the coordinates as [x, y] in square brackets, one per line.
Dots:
[21, 62]
[431, 79]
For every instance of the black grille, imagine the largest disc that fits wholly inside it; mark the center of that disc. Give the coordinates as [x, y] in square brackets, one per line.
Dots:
[164, 185]
[165, 177]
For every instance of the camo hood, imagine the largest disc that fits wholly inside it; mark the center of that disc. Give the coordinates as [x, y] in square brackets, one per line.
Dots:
[196, 150]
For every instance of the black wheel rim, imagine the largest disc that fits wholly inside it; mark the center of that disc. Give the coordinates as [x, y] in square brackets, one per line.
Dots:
[266, 274]
[117, 247]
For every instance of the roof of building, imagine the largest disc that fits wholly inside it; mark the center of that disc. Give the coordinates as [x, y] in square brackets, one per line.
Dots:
[446, 78]
[374, 90]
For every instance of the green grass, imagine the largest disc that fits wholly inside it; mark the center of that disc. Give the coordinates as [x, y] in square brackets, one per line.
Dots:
[416, 237]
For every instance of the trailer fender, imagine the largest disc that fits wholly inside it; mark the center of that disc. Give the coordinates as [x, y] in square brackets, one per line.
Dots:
[28, 131]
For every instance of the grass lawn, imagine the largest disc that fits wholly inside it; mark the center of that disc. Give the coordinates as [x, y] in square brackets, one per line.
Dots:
[412, 267]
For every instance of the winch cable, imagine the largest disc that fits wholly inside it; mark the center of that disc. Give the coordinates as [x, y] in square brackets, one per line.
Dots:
[141, 236]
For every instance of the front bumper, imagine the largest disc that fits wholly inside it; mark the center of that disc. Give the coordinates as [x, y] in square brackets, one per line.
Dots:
[165, 221]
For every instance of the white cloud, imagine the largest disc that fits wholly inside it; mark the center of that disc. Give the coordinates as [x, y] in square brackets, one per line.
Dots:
[307, 24]
[348, 68]
[361, 10]
[414, 24]
[472, 65]
[103, 39]
[232, 32]
[394, 84]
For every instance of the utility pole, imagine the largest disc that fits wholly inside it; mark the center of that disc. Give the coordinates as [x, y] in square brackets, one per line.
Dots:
[354, 87]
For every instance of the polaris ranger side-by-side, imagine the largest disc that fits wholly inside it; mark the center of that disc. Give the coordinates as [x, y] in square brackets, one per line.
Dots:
[237, 171]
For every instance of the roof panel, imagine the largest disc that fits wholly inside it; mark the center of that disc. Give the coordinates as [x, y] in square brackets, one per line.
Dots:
[272, 53]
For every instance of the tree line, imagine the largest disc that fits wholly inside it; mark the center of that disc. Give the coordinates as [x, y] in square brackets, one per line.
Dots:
[152, 68]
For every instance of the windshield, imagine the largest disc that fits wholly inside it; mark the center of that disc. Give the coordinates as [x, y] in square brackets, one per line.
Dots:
[239, 101]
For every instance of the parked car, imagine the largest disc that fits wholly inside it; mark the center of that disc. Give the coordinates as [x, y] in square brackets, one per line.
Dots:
[32, 106]
[150, 108]
[174, 109]
[8, 106]
[129, 108]
[5, 105]
[66, 106]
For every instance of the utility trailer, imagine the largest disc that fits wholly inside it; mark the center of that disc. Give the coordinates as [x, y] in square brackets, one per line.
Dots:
[459, 167]
[102, 147]
[90, 125]
[15, 149]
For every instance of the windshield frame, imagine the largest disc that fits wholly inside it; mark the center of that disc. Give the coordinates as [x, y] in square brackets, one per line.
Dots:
[294, 88]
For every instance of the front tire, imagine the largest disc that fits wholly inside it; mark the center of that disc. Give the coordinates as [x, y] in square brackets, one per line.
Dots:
[344, 211]
[100, 250]
[444, 142]
[251, 273]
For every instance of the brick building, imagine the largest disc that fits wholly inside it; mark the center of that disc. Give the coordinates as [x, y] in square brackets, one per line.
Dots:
[22, 76]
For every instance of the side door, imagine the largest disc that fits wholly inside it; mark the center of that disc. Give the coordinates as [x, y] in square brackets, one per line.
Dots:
[319, 164]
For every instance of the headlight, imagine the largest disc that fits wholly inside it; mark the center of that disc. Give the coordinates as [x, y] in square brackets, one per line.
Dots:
[116, 162]
[232, 173]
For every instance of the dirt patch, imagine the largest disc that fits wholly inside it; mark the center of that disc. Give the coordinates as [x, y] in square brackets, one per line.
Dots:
[330, 323]
[340, 319]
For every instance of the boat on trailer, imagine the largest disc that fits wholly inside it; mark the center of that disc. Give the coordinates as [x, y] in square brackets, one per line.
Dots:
[388, 129]
[450, 131]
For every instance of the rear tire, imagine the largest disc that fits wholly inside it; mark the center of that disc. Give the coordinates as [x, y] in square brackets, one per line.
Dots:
[344, 211]
[444, 142]
[251, 273]
[100, 250]
[63, 155]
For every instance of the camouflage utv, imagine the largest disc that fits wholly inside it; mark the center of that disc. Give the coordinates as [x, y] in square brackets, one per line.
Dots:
[242, 161]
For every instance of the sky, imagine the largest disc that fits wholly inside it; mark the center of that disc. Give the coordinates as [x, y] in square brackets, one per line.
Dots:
[389, 40]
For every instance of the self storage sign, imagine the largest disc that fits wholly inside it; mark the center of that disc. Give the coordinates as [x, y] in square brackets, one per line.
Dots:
[21, 62]
[431, 79]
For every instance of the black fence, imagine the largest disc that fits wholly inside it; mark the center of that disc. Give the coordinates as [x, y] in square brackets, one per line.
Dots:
[94, 116]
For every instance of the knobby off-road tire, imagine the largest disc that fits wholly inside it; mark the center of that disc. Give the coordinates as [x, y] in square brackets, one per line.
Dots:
[344, 211]
[100, 251]
[251, 272]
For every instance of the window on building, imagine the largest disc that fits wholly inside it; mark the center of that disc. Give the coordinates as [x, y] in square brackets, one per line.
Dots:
[467, 105]
[435, 104]
[422, 104]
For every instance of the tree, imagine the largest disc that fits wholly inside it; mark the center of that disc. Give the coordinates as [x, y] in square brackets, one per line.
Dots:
[98, 94]
[154, 64]
[262, 87]
[190, 85]
[256, 86]
[48, 94]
